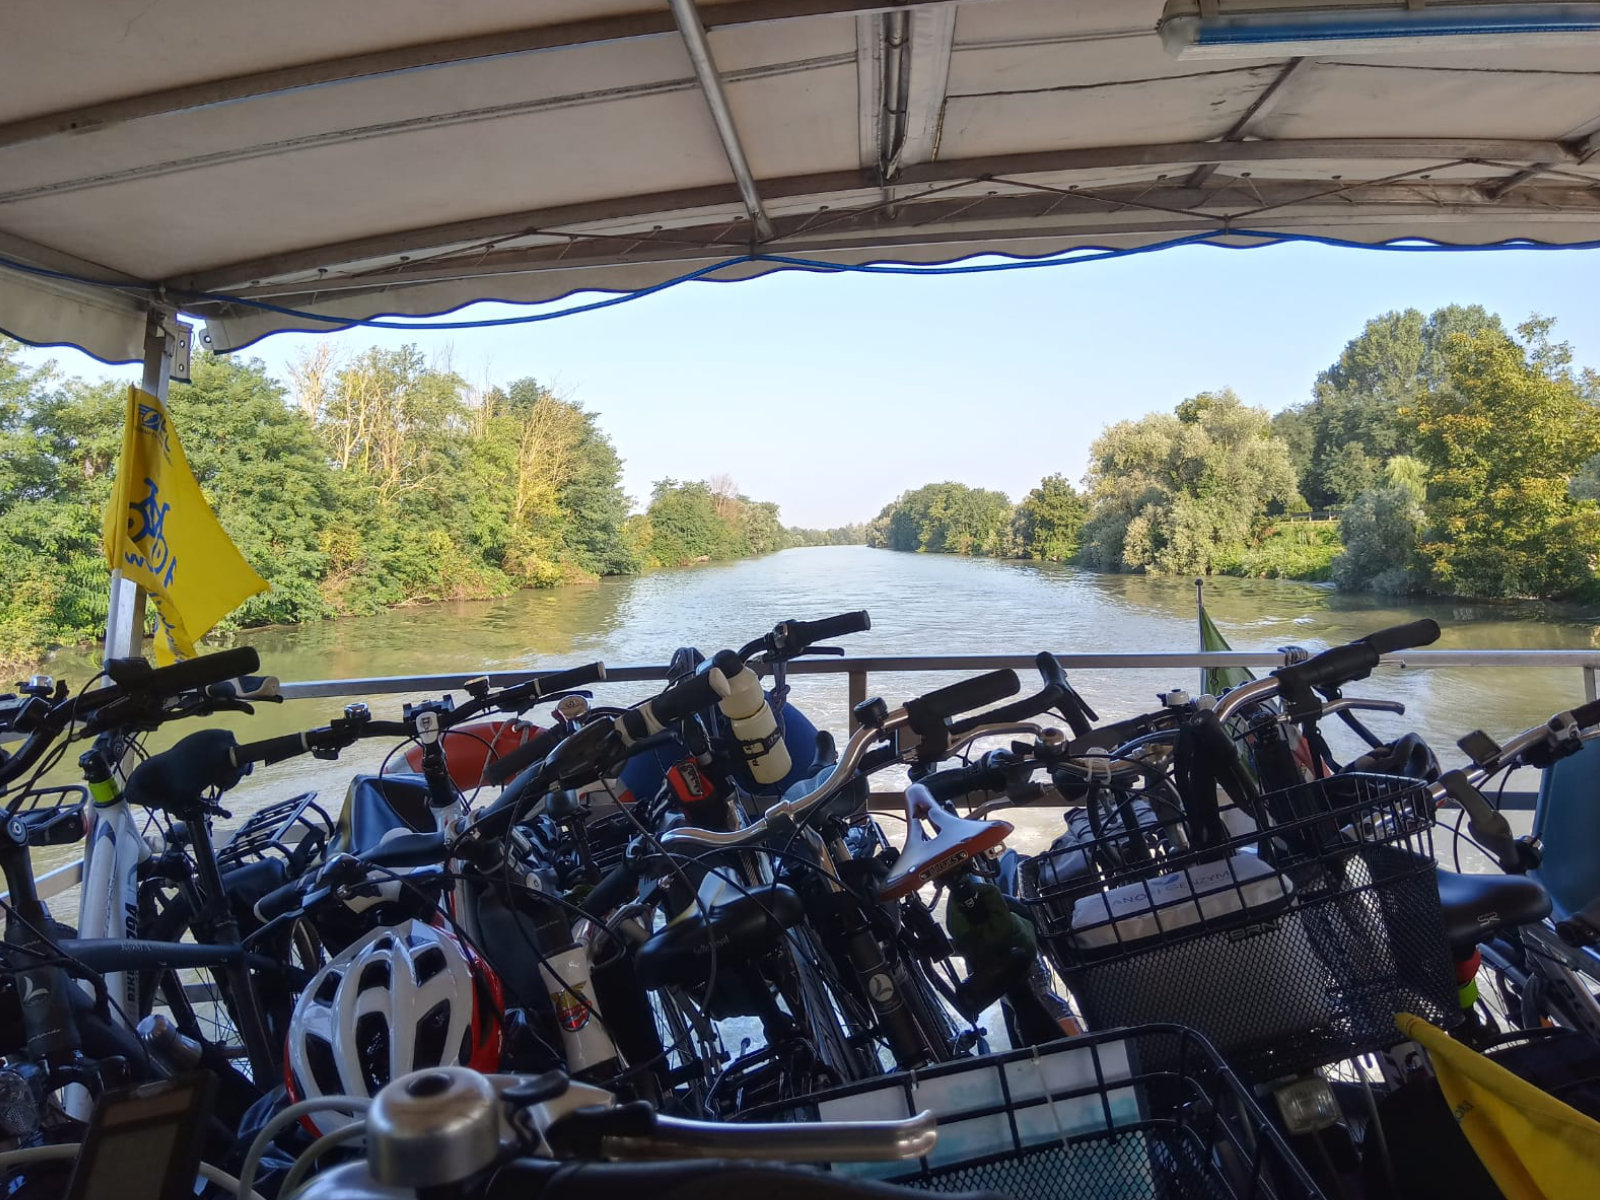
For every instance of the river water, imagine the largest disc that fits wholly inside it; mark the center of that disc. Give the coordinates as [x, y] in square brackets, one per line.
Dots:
[920, 605]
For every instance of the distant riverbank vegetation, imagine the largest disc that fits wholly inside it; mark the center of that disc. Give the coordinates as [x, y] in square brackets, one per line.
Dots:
[1460, 458]
[381, 480]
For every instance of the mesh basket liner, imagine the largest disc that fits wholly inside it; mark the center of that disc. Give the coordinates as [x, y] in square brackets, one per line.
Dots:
[1087, 1117]
[1280, 977]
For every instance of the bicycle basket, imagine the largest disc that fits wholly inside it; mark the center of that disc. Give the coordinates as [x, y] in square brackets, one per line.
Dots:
[1289, 948]
[1086, 1119]
[279, 829]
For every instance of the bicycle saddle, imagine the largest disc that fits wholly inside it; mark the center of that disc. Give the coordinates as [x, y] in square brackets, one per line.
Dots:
[955, 840]
[1476, 906]
[742, 928]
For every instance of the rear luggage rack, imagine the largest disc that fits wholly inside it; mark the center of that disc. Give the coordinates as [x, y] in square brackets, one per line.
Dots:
[296, 829]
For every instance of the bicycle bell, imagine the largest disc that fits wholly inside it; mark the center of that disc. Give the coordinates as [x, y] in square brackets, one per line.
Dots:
[433, 1127]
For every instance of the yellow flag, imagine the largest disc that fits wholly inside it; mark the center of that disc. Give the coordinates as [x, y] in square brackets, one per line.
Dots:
[1535, 1147]
[162, 534]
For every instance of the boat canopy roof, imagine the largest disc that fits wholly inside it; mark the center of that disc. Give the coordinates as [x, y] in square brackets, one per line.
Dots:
[302, 164]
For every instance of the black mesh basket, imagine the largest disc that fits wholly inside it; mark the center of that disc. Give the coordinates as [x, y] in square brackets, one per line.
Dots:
[1124, 1114]
[1288, 949]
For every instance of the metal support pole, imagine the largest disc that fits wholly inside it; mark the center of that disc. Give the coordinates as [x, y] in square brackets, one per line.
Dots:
[858, 693]
[1588, 684]
[705, 71]
[125, 619]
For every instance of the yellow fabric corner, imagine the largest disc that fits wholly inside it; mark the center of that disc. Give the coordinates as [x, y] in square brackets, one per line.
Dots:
[162, 534]
[1535, 1147]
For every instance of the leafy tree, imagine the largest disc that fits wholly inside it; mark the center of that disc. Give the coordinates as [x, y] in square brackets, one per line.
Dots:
[1381, 530]
[264, 470]
[684, 525]
[1356, 419]
[382, 480]
[843, 535]
[1502, 444]
[595, 506]
[1178, 493]
[1049, 522]
[945, 518]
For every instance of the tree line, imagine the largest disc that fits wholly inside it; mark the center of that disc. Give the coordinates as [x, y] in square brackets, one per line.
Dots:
[1464, 459]
[381, 480]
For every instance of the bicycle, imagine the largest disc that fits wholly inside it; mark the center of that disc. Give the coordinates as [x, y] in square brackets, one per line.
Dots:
[1084, 1121]
[85, 1040]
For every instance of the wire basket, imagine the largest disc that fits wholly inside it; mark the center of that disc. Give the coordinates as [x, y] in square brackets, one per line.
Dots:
[1118, 1115]
[1288, 948]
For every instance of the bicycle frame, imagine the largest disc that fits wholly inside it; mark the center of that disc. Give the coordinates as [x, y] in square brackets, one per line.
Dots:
[108, 898]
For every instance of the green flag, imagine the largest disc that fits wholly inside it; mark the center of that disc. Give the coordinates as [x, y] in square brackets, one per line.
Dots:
[1215, 680]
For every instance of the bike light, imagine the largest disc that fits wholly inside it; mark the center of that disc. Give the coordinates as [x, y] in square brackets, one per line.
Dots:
[1307, 1105]
[1191, 29]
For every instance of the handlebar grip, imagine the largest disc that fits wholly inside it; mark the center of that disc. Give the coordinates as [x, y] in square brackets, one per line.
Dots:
[572, 677]
[684, 699]
[271, 750]
[615, 888]
[1404, 637]
[1582, 928]
[807, 633]
[1341, 664]
[409, 850]
[1587, 715]
[510, 765]
[280, 900]
[135, 675]
[928, 713]
[1355, 660]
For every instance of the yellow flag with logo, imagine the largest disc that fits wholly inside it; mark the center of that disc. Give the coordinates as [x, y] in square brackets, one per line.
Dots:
[1535, 1147]
[160, 532]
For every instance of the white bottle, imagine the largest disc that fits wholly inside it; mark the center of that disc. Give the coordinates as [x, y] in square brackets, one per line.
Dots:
[591, 1054]
[748, 712]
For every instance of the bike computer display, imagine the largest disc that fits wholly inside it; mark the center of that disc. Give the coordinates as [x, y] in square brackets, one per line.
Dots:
[144, 1143]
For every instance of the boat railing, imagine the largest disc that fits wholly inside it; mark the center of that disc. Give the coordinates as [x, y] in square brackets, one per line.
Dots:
[858, 673]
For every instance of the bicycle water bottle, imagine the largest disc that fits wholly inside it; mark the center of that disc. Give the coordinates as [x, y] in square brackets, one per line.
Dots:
[756, 727]
[590, 1052]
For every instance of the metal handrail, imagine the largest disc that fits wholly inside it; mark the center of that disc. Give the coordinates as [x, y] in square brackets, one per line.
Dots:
[1588, 660]
[858, 669]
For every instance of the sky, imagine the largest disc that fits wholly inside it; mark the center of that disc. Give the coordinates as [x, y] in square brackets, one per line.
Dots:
[833, 394]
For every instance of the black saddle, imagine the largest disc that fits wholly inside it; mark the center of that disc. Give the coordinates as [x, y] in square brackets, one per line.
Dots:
[741, 929]
[1476, 906]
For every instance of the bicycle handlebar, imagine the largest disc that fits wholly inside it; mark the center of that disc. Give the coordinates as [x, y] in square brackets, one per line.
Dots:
[1057, 693]
[1354, 660]
[135, 675]
[347, 731]
[805, 634]
[926, 715]
[520, 697]
[1330, 669]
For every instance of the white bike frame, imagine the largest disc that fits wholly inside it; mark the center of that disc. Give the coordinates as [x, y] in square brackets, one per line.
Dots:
[108, 898]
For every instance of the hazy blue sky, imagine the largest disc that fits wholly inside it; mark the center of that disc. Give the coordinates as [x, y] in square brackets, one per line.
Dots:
[833, 394]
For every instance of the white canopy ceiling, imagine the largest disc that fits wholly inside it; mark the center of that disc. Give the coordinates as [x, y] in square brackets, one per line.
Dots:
[347, 159]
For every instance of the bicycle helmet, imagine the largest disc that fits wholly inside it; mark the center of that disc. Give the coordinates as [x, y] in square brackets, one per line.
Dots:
[1408, 756]
[400, 999]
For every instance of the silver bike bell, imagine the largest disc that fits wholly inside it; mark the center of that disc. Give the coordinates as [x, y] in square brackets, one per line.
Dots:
[432, 1128]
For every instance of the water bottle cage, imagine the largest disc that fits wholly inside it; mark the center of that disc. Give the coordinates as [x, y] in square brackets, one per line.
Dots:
[758, 747]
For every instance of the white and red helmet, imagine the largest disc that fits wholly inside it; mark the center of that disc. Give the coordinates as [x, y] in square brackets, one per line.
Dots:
[400, 999]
